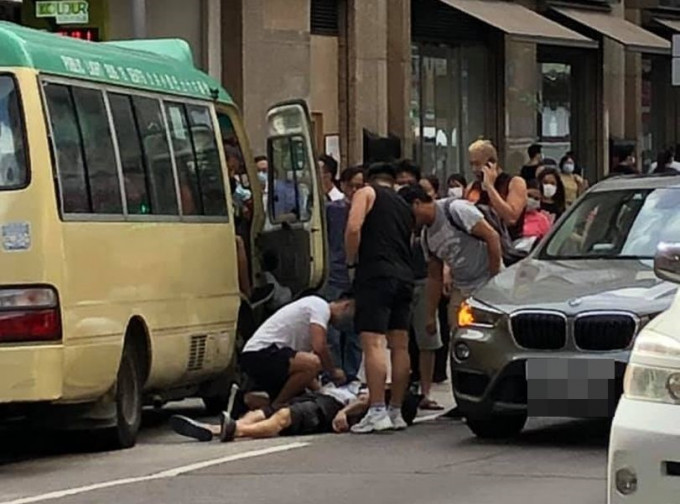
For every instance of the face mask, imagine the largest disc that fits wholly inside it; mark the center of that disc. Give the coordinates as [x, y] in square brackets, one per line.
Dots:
[262, 176]
[549, 190]
[398, 187]
[568, 168]
[533, 204]
[455, 192]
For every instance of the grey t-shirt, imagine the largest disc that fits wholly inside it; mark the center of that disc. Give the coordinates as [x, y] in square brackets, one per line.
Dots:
[465, 254]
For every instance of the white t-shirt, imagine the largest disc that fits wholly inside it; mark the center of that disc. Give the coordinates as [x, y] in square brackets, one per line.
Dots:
[336, 194]
[290, 326]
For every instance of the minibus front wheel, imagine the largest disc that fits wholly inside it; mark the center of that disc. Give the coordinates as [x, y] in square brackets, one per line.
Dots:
[128, 399]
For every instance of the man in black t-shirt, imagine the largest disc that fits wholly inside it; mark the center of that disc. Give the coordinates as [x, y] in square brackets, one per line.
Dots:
[378, 247]
[528, 172]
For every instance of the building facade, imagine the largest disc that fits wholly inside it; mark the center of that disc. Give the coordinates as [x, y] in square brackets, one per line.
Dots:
[577, 75]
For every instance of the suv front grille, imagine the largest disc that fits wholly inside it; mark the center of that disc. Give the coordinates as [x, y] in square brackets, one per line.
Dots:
[539, 331]
[602, 332]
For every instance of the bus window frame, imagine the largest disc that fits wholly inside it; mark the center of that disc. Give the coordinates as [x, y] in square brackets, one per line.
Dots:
[24, 133]
[130, 92]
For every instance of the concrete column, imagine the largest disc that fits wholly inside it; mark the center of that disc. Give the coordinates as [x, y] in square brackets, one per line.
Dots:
[633, 90]
[399, 72]
[138, 18]
[213, 21]
[276, 59]
[232, 48]
[521, 102]
[367, 73]
[614, 96]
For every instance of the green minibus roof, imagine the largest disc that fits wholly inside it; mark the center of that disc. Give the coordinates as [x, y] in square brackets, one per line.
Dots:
[164, 66]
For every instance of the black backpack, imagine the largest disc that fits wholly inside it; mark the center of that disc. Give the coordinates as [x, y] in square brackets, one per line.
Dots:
[511, 255]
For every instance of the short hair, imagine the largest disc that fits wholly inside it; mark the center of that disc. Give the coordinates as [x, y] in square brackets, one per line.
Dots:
[549, 162]
[330, 164]
[261, 158]
[415, 192]
[458, 177]
[349, 173]
[486, 148]
[408, 166]
[534, 150]
[434, 182]
[384, 171]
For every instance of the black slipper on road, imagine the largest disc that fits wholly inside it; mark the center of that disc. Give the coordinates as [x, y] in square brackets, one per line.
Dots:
[228, 432]
[190, 428]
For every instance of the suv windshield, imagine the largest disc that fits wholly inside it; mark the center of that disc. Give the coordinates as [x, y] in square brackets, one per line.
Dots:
[13, 173]
[624, 224]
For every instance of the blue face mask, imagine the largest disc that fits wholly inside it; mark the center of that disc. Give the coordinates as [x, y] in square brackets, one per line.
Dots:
[262, 176]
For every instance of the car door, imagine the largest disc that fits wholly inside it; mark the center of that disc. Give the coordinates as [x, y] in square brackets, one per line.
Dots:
[293, 242]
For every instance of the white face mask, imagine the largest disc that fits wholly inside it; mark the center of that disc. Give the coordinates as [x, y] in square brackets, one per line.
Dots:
[455, 192]
[568, 168]
[533, 204]
[549, 190]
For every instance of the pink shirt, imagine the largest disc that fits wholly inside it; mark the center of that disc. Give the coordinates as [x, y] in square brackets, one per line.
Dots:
[536, 223]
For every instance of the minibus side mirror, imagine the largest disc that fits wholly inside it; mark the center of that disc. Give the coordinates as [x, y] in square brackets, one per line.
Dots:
[667, 262]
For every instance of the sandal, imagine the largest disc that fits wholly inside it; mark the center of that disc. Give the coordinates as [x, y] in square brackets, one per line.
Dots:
[430, 405]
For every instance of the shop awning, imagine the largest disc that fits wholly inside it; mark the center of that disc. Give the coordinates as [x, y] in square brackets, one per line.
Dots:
[618, 29]
[521, 23]
[673, 24]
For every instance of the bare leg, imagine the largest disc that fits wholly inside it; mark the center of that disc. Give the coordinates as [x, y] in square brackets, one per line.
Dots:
[376, 367]
[426, 359]
[265, 428]
[252, 417]
[401, 365]
[304, 368]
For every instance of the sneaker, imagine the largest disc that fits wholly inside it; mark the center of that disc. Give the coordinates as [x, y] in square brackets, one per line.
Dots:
[373, 421]
[190, 428]
[397, 419]
[228, 431]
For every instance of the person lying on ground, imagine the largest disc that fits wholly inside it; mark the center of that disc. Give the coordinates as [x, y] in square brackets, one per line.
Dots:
[330, 409]
[289, 351]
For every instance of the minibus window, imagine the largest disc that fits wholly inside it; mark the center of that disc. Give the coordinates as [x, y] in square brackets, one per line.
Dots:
[185, 159]
[13, 170]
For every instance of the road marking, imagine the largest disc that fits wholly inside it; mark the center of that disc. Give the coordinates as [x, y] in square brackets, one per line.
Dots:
[170, 473]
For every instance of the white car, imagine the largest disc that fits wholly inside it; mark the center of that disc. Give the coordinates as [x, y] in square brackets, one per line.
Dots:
[644, 449]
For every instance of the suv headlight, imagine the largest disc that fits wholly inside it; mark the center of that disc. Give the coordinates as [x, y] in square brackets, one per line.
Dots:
[649, 383]
[473, 313]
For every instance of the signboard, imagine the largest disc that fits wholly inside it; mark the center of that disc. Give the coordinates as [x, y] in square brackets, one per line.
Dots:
[64, 11]
[90, 34]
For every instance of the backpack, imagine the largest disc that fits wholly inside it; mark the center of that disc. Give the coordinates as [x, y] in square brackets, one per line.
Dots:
[511, 255]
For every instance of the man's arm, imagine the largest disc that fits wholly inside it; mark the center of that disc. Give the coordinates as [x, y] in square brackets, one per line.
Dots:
[434, 291]
[362, 202]
[358, 407]
[484, 231]
[509, 210]
[320, 348]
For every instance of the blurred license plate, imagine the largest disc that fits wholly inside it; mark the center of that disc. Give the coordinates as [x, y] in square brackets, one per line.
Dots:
[571, 387]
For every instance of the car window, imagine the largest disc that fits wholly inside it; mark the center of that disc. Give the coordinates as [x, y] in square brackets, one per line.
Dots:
[617, 224]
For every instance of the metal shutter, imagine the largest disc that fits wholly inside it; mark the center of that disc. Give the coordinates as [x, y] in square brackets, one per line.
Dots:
[324, 17]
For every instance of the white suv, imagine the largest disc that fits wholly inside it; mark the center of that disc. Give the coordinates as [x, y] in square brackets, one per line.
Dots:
[644, 449]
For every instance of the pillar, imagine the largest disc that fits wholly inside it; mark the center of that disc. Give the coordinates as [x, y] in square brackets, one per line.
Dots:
[399, 72]
[138, 19]
[633, 91]
[213, 19]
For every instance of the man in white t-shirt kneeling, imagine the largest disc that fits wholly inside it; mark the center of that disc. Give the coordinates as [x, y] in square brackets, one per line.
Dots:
[288, 352]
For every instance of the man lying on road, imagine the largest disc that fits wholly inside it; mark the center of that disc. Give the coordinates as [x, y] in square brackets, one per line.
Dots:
[330, 409]
[286, 354]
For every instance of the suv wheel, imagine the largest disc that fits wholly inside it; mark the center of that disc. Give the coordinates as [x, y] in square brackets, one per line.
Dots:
[495, 426]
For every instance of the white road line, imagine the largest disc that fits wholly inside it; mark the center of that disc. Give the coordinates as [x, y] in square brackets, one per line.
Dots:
[171, 473]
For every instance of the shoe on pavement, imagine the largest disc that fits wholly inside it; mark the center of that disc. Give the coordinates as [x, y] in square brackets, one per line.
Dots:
[373, 421]
[397, 419]
[228, 431]
[188, 427]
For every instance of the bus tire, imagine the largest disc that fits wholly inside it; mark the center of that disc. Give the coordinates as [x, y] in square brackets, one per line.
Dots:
[128, 400]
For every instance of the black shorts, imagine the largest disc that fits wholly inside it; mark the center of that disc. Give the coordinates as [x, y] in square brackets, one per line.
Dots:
[312, 413]
[268, 368]
[382, 305]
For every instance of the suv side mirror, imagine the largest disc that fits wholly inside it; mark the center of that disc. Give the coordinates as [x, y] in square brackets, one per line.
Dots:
[667, 262]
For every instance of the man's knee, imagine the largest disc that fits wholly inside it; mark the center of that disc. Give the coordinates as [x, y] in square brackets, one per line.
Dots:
[398, 341]
[371, 342]
[282, 419]
[307, 362]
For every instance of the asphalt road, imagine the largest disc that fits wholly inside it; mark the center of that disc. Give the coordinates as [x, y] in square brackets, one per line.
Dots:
[436, 461]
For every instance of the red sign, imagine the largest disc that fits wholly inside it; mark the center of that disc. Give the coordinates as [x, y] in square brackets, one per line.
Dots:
[91, 34]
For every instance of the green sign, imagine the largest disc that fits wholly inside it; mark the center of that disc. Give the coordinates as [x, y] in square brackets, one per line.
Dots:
[65, 11]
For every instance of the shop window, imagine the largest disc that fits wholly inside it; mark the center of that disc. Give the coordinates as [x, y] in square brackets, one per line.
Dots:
[131, 155]
[156, 156]
[554, 109]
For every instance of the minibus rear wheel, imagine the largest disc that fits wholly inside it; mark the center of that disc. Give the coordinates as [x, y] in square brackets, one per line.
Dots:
[128, 400]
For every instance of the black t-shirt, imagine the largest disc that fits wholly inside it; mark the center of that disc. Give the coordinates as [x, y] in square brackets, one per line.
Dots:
[551, 208]
[386, 235]
[528, 172]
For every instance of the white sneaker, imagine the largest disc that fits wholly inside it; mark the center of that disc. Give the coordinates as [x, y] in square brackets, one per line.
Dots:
[398, 422]
[373, 422]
